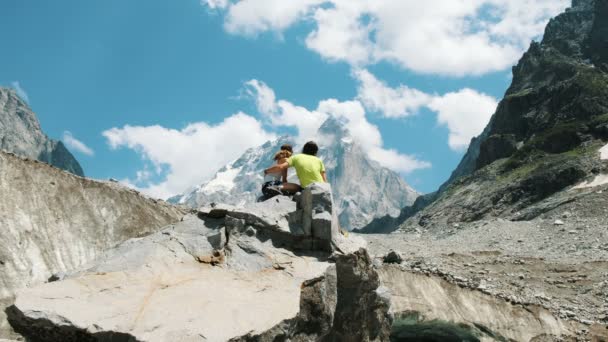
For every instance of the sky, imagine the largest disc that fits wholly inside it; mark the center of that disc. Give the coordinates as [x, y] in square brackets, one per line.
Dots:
[160, 94]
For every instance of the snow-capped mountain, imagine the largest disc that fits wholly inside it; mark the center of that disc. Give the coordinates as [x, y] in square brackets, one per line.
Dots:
[362, 188]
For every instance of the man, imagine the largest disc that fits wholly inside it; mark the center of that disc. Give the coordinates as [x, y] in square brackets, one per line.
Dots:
[309, 168]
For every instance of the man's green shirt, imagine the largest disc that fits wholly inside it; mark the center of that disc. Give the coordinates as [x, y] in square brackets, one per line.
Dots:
[308, 168]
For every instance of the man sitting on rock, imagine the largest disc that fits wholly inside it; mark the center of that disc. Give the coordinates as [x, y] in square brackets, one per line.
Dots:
[309, 168]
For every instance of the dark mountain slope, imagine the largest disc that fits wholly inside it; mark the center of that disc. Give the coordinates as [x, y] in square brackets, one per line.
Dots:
[545, 134]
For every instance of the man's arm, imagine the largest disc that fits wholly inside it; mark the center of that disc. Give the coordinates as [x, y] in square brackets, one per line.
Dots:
[324, 176]
[277, 168]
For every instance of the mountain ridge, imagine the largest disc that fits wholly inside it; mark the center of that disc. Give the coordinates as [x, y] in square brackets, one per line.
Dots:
[21, 133]
[359, 183]
[544, 135]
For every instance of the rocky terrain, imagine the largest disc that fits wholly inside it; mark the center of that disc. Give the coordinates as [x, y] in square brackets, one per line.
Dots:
[545, 136]
[512, 248]
[557, 262]
[225, 273]
[52, 221]
[363, 189]
[20, 133]
[281, 270]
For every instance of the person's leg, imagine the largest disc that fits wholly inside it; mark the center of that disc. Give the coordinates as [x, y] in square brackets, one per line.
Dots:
[291, 188]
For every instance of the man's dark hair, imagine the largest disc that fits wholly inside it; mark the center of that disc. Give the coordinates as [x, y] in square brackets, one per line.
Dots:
[287, 147]
[310, 148]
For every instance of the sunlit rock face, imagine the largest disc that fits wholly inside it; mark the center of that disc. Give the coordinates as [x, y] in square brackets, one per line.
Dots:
[52, 221]
[20, 133]
[248, 273]
[362, 189]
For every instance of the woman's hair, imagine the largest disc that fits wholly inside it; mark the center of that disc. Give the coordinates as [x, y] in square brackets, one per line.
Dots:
[310, 148]
[282, 154]
[287, 147]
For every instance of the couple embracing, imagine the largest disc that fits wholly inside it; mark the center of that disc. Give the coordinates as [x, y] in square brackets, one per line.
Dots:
[309, 169]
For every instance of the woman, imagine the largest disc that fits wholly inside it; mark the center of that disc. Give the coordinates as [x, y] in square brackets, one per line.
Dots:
[273, 182]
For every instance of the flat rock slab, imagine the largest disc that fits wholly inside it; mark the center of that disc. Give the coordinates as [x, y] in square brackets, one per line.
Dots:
[154, 289]
[188, 302]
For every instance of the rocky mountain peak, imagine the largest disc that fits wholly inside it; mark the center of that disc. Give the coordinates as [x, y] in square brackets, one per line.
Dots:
[362, 188]
[334, 126]
[545, 134]
[20, 133]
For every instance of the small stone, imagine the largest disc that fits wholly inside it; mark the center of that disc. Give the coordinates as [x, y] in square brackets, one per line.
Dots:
[558, 222]
[567, 313]
[57, 277]
[572, 232]
[393, 257]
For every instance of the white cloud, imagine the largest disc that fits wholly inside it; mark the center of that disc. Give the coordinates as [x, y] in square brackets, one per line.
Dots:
[75, 144]
[391, 102]
[215, 4]
[450, 37]
[284, 113]
[190, 155]
[249, 17]
[466, 113]
[22, 94]
[308, 122]
[394, 160]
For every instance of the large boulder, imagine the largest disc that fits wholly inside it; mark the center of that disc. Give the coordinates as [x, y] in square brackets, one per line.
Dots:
[52, 221]
[346, 303]
[159, 288]
[224, 273]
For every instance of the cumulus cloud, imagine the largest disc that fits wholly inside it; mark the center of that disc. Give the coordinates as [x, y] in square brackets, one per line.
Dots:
[283, 113]
[392, 102]
[75, 144]
[215, 4]
[352, 113]
[249, 17]
[465, 112]
[188, 156]
[20, 91]
[450, 37]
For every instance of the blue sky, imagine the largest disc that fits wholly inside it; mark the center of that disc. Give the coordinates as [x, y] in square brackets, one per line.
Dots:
[90, 67]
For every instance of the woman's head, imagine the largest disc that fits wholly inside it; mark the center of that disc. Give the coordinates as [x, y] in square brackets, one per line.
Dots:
[310, 148]
[282, 154]
[287, 147]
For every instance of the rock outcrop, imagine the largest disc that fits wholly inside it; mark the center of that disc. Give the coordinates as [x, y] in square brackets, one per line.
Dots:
[20, 133]
[546, 133]
[52, 221]
[422, 303]
[362, 189]
[244, 274]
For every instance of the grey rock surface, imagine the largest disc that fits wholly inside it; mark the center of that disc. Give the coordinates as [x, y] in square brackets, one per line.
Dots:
[346, 303]
[53, 221]
[222, 273]
[20, 133]
[362, 189]
[557, 273]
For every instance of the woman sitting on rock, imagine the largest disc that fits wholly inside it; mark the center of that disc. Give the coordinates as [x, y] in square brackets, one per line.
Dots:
[273, 182]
